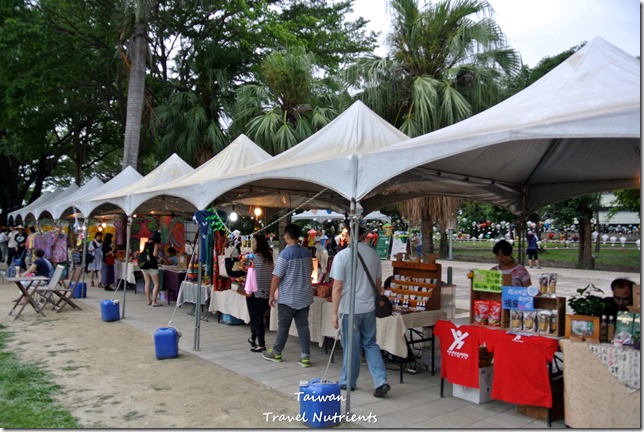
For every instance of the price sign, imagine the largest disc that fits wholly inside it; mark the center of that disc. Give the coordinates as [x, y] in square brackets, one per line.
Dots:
[518, 298]
[487, 280]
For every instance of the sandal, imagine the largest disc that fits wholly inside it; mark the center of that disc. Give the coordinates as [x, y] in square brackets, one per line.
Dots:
[93, 284]
[258, 349]
[156, 305]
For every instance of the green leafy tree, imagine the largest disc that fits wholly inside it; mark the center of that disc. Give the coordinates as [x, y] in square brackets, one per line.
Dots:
[581, 209]
[445, 63]
[626, 199]
[290, 103]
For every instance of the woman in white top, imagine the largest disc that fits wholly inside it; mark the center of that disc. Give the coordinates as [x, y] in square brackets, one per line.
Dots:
[95, 248]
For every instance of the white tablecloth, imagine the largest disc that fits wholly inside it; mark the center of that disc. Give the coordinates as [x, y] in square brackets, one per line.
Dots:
[390, 333]
[315, 321]
[231, 303]
[131, 268]
[188, 293]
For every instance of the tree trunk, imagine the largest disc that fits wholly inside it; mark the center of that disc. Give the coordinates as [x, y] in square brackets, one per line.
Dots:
[426, 230]
[443, 247]
[586, 260]
[135, 95]
[280, 228]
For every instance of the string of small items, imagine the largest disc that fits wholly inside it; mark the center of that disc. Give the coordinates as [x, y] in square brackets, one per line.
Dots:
[217, 224]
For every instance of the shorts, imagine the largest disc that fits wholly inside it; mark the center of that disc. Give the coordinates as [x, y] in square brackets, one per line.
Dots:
[151, 272]
[532, 254]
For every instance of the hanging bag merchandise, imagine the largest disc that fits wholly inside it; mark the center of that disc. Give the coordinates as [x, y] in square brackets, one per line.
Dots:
[251, 281]
[384, 308]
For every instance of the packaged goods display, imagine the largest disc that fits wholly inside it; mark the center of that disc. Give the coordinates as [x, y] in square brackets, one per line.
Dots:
[547, 284]
[516, 320]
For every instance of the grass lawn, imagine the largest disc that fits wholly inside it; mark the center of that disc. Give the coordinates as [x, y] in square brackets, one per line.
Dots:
[627, 259]
[27, 394]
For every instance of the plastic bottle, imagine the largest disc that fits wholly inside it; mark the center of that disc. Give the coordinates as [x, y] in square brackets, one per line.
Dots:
[611, 328]
[603, 330]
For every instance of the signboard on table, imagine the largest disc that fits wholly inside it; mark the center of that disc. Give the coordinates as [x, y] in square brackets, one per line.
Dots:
[487, 280]
[518, 297]
[382, 246]
[399, 243]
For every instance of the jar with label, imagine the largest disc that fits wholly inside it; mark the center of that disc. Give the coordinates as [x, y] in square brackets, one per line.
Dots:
[554, 321]
[543, 321]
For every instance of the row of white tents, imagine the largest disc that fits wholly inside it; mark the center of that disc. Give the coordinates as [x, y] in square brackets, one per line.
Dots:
[575, 131]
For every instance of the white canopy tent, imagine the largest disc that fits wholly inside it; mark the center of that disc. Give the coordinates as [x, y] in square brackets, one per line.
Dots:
[196, 187]
[320, 215]
[327, 159]
[85, 203]
[21, 212]
[573, 132]
[36, 211]
[130, 198]
[65, 207]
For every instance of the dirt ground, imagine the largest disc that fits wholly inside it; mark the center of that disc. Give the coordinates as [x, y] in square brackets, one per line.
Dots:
[107, 386]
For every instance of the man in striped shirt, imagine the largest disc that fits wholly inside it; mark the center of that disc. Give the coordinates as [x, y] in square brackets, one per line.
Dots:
[292, 275]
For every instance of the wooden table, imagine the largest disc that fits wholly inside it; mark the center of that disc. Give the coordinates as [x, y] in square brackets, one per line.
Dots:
[26, 292]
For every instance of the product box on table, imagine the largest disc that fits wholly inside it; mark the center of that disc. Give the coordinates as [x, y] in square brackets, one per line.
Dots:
[477, 395]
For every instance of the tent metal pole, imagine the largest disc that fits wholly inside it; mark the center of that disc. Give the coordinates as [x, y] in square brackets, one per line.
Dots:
[128, 230]
[197, 255]
[84, 252]
[353, 240]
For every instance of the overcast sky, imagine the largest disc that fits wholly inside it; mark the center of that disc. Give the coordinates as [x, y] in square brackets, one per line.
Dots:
[540, 28]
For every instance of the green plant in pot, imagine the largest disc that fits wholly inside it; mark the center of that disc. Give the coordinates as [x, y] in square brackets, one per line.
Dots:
[586, 302]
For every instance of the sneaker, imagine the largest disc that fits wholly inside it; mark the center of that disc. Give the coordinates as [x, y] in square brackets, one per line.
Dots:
[382, 390]
[271, 356]
[305, 362]
[538, 266]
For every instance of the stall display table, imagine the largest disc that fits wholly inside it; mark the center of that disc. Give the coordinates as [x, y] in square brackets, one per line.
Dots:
[231, 303]
[188, 292]
[170, 280]
[594, 397]
[131, 268]
[316, 320]
[27, 286]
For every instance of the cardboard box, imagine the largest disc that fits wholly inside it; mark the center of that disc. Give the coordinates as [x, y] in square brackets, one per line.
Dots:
[477, 395]
[541, 413]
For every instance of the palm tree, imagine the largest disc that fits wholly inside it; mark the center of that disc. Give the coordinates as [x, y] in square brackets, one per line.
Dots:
[427, 211]
[445, 64]
[136, 54]
[289, 103]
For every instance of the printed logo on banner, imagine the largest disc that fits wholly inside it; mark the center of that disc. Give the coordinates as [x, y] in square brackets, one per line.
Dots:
[517, 338]
[459, 341]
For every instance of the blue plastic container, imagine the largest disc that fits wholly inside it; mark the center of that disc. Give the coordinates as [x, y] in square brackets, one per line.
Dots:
[80, 290]
[320, 403]
[231, 320]
[110, 310]
[166, 343]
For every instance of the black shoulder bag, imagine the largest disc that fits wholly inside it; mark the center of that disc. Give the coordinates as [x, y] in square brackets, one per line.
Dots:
[383, 304]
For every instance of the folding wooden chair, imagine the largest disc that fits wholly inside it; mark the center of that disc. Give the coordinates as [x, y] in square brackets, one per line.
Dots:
[59, 294]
